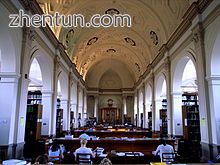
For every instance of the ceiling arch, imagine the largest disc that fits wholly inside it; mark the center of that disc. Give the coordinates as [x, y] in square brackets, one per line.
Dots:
[117, 67]
[153, 22]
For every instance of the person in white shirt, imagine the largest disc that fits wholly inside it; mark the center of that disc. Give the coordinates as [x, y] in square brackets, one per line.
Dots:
[83, 149]
[164, 148]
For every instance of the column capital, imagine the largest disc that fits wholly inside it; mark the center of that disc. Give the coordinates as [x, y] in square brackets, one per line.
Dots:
[198, 34]
[213, 80]
[167, 64]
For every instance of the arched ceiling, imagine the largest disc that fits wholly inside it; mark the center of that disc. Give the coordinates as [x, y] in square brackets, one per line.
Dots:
[153, 21]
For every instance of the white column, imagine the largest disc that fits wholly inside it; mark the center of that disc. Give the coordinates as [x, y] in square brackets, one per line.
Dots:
[85, 107]
[144, 107]
[64, 106]
[177, 114]
[73, 107]
[77, 106]
[28, 38]
[124, 108]
[214, 88]
[158, 106]
[204, 111]
[138, 122]
[96, 107]
[8, 95]
[47, 113]
[83, 110]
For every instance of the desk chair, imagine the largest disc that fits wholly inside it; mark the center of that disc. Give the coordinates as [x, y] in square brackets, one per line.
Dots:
[53, 159]
[168, 157]
[131, 157]
[83, 158]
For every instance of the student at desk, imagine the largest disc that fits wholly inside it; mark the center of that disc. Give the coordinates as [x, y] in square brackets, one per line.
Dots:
[84, 152]
[164, 148]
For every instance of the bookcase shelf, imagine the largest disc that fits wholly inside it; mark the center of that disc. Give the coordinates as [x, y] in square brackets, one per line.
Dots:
[59, 122]
[150, 121]
[163, 118]
[59, 119]
[33, 116]
[191, 123]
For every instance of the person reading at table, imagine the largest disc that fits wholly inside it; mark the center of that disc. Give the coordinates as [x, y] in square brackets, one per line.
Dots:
[55, 152]
[164, 148]
[84, 152]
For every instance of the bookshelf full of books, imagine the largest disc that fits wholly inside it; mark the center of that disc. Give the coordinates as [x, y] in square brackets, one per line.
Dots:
[163, 119]
[191, 123]
[33, 116]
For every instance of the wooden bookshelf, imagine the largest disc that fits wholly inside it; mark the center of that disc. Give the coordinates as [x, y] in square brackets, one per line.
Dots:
[33, 116]
[33, 122]
[150, 121]
[34, 97]
[59, 122]
[191, 123]
[163, 118]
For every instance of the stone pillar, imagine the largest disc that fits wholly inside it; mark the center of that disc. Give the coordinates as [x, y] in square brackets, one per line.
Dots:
[158, 106]
[204, 109]
[214, 88]
[168, 96]
[83, 110]
[64, 106]
[151, 81]
[77, 106]
[8, 117]
[203, 95]
[177, 114]
[96, 107]
[138, 119]
[124, 100]
[144, 106]
[54, 97]
[85, 107]
[23, 82]
[47, 113]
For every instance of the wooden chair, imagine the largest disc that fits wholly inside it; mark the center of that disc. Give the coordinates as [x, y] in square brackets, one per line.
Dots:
[168, 157]
[83, 158]
[131, 157]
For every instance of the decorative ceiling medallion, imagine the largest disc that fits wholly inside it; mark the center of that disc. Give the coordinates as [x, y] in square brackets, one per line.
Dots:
[130, 41]
[112, 11]
[111, 51]
[153, 37]
[137, 67]
[92, 41]
[69, 35]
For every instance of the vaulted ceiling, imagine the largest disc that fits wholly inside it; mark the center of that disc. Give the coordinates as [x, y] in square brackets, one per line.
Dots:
[153, 22]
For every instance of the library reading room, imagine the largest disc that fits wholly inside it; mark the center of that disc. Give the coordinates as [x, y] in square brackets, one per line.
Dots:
[109, 82]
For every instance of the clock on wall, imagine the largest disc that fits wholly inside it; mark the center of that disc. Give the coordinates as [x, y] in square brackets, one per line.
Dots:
[110, 102]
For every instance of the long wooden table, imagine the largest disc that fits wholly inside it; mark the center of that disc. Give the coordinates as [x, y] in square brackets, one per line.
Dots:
[144, 145]
[107, 133]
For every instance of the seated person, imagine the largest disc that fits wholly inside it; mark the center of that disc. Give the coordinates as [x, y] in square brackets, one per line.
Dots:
[84, 150]
[84, 136]
[164, 148]
[56, 152]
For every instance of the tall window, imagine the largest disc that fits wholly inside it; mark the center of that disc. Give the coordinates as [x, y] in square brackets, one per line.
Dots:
[35, 76]
[189, 80]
